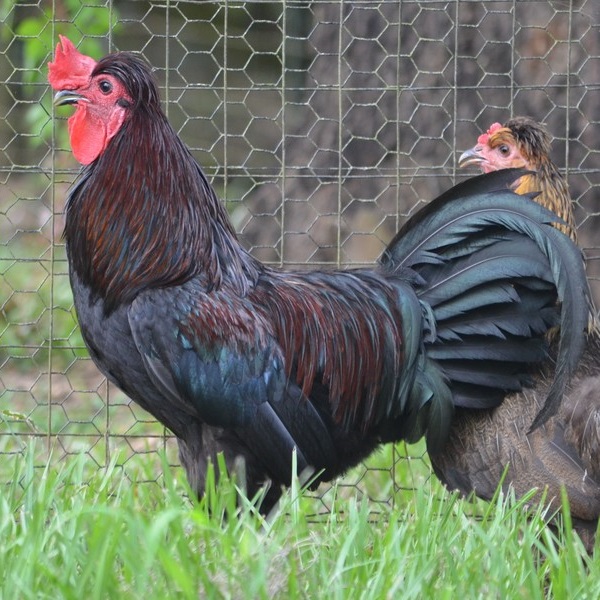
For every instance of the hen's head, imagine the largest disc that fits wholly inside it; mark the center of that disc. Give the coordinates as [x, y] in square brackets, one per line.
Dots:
[521, 142]
[105, 94]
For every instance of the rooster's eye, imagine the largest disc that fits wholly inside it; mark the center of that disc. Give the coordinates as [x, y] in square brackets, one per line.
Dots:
[105, 86]
[504, 150]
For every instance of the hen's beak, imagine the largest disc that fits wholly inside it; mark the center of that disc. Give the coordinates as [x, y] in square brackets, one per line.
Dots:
[68, 97]
[471, 157]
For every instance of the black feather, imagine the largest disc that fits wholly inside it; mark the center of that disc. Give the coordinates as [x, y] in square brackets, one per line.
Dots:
[458, 218]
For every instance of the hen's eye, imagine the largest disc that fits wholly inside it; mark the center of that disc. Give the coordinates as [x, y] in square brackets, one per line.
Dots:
[105, 86]
[504, 149]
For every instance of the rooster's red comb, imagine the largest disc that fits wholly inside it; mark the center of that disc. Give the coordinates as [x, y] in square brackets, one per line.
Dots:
[484, 137]
[70, 69]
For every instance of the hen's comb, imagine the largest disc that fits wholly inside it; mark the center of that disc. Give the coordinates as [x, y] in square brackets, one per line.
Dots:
[484, 137]
[70, 69]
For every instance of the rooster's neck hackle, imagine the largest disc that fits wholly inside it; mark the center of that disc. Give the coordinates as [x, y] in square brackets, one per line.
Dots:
[144, 216]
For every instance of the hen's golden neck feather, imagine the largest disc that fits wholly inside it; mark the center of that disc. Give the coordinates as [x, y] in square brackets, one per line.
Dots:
[552, 194]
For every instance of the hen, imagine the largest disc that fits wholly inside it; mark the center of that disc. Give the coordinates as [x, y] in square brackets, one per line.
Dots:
[524, 143]
[565, 452]
[239, 358]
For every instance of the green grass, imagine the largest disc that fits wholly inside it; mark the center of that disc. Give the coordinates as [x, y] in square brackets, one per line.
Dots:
[71, 531]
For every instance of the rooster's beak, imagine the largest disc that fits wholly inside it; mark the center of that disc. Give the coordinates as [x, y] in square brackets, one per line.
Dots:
[471, 157]
[68, 97]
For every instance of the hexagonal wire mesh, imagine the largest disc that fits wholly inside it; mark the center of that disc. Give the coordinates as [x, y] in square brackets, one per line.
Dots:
[321, 124]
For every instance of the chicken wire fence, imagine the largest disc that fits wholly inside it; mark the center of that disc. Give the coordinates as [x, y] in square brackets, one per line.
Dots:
[322, 125]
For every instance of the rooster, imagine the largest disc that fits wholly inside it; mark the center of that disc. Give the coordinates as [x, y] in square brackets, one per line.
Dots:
[565, 452]
[262, 365]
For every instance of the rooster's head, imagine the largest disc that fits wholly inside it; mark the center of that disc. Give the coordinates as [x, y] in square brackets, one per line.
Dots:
[104, 94]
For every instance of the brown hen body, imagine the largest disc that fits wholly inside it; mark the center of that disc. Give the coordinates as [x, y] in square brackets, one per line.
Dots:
[565, 452]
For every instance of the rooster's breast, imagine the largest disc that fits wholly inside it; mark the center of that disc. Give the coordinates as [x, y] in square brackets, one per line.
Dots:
[112, 348]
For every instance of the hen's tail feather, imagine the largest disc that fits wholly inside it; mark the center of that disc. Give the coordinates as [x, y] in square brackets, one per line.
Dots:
[474, 244]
